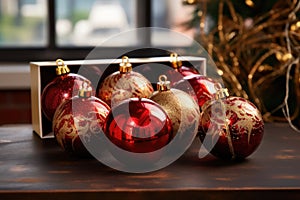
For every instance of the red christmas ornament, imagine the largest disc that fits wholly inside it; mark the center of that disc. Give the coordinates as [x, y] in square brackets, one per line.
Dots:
[124, 84]
[79, 121]
[232, 127]
[60, 89]
[200, 87]
[138, 125]
[179, 71]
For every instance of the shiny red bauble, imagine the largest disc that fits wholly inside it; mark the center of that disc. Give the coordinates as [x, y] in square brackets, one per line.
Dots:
[200, 87]
[231, 128]
[138, 125]
[78, 122]
[60, 89]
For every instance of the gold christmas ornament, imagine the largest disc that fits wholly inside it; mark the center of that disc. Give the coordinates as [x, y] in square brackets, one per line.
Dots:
[180, 107]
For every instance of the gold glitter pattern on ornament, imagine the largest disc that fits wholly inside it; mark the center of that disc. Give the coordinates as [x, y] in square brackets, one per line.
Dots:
[63, 128]
[180, 107]
[119, 86]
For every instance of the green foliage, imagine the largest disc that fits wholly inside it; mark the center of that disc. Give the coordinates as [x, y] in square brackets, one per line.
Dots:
[79, 15]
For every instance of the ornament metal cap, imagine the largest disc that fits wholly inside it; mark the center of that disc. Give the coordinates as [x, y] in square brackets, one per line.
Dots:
[85, 91]
[125, 65]
[163, 84]
[61, 67]
[176, 63]
[221, 92]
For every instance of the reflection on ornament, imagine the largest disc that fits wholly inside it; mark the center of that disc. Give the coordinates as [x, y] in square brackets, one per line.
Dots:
[138, 125]
[200, 87]
[79, 121]
[60, 89]
[180, 107]
[124, 84]
[231, 128]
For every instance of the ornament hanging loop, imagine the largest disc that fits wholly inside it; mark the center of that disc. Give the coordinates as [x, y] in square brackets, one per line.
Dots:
[60, 62]
[163, 84]
[176, 63]
[221, 92]
[163, 78]
[62, 68]
[125, 65]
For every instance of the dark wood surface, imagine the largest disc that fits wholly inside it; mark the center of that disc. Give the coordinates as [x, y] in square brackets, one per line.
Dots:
[31, 168]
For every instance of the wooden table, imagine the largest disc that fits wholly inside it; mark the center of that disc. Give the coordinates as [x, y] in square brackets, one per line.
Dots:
[31, 168]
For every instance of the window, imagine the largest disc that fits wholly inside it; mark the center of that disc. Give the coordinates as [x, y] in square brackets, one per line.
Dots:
[23, 23]
[90, 22]
[170, 14]
[47, 29]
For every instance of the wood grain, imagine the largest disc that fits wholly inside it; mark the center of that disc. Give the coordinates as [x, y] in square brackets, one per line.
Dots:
[31, 168]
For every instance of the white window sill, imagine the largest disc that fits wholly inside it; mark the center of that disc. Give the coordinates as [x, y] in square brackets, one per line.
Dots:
[14, 76]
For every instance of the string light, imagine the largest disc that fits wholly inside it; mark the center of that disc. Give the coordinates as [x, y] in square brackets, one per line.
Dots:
[249, 3]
